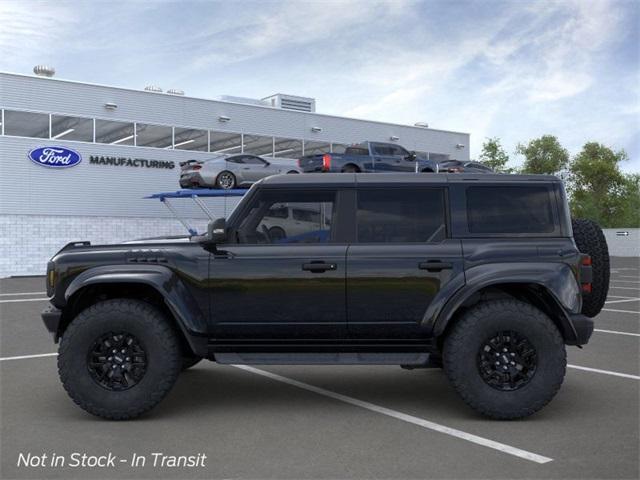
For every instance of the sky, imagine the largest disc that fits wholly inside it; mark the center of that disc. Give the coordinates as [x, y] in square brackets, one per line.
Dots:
[514, 70]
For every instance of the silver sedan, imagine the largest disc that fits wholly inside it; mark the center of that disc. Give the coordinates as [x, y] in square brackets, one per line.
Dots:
[231, 171]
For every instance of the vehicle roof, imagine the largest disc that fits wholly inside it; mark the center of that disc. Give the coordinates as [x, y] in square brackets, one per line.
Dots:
[351, 179]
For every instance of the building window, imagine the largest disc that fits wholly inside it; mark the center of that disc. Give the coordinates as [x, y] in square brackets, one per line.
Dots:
[157, 136]
[258, 145]
[225, 142]
[114, 133]
[71, 128]
[190, 139]
[26, 124]
[287, 148]
[315, 148]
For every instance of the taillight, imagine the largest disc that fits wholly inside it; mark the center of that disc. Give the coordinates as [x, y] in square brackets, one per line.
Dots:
[196, 167]
[586, 273]
[326, 162]
[299, 163]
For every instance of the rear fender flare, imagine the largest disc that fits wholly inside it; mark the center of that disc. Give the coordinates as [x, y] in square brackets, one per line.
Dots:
[557, 279]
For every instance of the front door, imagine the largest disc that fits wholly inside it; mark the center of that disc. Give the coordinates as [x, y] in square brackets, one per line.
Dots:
[283, 278]
[402, 258]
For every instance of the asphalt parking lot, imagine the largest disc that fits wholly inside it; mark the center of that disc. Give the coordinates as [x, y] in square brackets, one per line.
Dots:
[324, 421]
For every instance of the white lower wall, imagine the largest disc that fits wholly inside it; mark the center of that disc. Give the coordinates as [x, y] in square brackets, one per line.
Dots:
[621, 245]
[27, 242]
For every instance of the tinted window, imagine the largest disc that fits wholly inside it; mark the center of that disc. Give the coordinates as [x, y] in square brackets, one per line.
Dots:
[253, 160]
[498, 209]
[239, 159]
[357, 151]
[401, 216]
[268, 221]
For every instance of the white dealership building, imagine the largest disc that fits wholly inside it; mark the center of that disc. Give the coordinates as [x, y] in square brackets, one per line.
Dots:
[129, 144]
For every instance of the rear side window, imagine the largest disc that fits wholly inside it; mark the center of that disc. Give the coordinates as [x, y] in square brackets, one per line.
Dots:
[413, 215]
[498, 209]
[356, 151]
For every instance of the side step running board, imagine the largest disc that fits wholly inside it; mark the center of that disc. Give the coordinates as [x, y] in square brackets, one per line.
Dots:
[408, 359]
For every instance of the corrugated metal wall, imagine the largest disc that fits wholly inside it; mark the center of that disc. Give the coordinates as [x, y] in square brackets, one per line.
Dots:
[100, 190]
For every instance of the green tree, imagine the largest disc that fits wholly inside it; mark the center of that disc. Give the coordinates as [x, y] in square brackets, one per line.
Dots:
[543, 155]
[600, 191]
[494, 156]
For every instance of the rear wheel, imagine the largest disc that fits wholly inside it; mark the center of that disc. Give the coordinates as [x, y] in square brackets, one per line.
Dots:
[505, 358]
[590, 240]
[277, 233]
[226, 180]
[119, 358]
[350, 169]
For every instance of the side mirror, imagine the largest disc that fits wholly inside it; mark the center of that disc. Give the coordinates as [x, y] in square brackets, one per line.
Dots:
[412, 156]
[217, 231]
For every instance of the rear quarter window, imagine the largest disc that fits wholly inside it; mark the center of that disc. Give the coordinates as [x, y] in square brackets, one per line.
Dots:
[510, 210]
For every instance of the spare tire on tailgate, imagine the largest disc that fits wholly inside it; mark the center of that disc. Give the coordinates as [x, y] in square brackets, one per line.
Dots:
[590, 240]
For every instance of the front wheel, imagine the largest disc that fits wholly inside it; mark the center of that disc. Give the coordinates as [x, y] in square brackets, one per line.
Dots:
[505, 358]
[119, 358]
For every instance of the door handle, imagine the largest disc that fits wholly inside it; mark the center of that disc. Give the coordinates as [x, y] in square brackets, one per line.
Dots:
[318, 267]
[435, 266]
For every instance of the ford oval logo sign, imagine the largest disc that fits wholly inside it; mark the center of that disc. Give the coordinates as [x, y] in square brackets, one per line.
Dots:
[55, 157]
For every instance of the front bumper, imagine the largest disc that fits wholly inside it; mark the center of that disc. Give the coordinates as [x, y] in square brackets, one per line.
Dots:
[51, 317]
[584, 328]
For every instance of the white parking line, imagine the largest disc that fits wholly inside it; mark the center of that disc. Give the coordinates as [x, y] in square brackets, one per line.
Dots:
[625, 300]
[21, 293]
[620, 311]
[23, 357]
[616, 332]
[628, 276]
[485, 442]
[626, 281]
[606, 372]
[616, 287]
[24, 300]
[616, 296]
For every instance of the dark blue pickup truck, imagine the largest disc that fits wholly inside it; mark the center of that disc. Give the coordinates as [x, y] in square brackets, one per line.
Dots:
[368, 157]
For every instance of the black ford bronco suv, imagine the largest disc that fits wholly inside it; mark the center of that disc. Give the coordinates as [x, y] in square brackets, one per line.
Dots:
[482, 275]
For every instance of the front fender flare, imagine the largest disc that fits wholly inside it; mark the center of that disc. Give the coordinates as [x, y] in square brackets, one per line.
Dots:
[167, 283]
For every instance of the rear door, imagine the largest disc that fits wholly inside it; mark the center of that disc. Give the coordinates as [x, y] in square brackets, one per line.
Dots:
[253, 168]
[401, 259]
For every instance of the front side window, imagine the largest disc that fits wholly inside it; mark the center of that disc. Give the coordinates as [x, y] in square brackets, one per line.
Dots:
[268, 221]
[513, 209]
[413, 215]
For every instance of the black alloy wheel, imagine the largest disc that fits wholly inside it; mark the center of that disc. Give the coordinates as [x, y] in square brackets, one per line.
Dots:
[507, 361]
[117, 361]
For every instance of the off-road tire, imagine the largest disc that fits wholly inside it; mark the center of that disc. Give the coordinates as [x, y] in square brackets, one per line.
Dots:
[461, 351]
[590, 240]
[189, 361]
[156, 335]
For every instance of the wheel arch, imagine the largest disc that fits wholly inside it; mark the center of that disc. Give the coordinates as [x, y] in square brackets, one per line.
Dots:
[156, 286]
[534, 293]
[351, 165]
